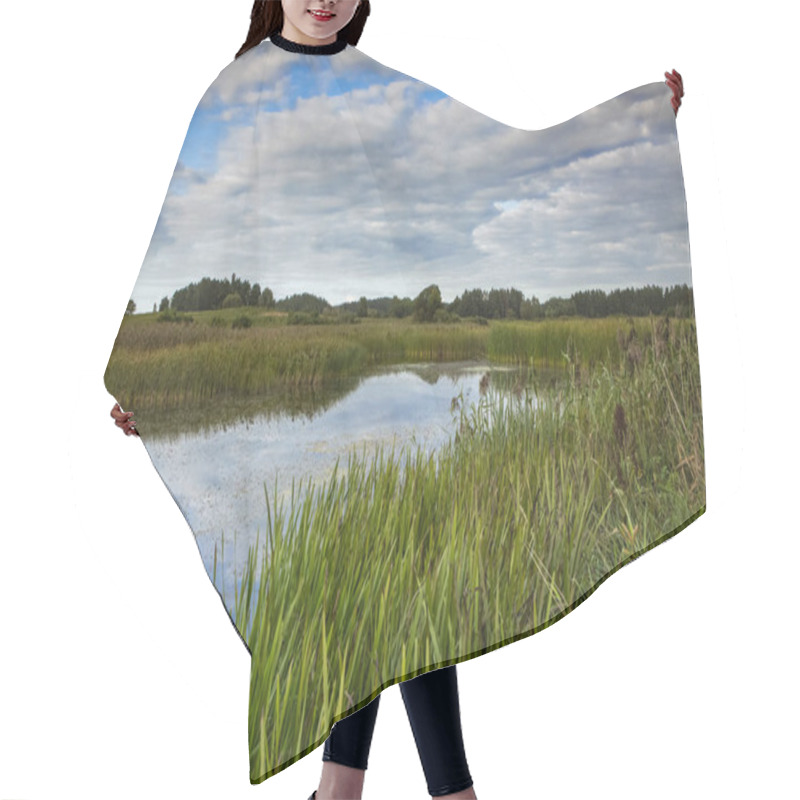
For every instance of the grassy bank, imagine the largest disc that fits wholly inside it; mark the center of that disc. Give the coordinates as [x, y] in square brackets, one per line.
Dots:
[392, 571]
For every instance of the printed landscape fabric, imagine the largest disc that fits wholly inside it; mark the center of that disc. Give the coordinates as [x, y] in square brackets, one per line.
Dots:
[419, 381]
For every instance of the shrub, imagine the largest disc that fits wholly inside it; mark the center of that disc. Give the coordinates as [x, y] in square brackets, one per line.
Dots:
[170, 315]
[242, 322]
[443, 315]
[303, 318]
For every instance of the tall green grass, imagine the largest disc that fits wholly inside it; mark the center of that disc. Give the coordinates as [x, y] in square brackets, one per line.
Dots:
[404, 562]
[543, 343]
[158, 367]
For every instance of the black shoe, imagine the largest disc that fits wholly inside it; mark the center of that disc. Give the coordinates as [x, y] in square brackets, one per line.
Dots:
[313, 795]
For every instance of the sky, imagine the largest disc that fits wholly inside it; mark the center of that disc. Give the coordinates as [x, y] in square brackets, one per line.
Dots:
[342, 177]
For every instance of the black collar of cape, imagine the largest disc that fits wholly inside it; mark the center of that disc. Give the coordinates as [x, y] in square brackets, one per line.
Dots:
[310, 49]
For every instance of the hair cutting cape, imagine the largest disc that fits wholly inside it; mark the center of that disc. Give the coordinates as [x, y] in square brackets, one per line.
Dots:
[419, 381]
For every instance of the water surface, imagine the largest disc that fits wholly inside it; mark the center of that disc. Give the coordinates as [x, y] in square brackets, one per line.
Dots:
[219, 475]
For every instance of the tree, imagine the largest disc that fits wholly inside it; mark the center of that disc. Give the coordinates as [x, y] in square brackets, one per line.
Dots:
[131, 308]
[233, 300]
[531, 309]
[362, 307]
[164, 304]
[306, 301]
[267, 300]
[426, 303]
[591, 303]
[558, 307]
[401, 307]
[472, 303]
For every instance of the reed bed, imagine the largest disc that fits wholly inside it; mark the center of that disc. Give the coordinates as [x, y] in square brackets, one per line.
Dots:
[543, 343]
[404, 562]
[173, 366]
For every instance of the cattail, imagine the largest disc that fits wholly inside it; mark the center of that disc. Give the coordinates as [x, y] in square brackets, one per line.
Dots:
[661, 339]
[620, 425]
[634, 355]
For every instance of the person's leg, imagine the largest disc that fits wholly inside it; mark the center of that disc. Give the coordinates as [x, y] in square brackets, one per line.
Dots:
[346, 753]
[431, 701]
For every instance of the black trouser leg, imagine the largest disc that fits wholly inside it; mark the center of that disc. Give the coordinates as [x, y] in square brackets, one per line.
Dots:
[432, 705]
[351, 737]
[431, 701]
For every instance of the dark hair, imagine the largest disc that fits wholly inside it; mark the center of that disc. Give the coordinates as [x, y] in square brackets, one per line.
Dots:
[266, 18]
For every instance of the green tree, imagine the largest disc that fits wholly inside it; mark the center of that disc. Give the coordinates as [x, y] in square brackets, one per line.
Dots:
[131, 307]
[531, 308]
[267, 299]
[558, 307]
[401, 307]
[472, 303]
[426, 303]
[306, 301]
[233, 300]
[164, 304]
[363, 310]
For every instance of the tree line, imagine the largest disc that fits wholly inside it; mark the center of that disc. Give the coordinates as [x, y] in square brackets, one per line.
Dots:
[210, 294]
[215, 293]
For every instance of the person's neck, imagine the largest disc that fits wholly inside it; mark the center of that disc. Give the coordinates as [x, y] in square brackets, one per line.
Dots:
[329, 48]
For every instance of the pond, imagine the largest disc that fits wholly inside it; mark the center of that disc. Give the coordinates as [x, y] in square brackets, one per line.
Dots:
[219, 475]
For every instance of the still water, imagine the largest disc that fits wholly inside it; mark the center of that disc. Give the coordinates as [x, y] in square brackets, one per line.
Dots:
[218, 476]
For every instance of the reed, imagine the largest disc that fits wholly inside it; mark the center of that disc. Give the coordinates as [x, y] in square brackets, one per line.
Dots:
[172, 366]
[404, 561]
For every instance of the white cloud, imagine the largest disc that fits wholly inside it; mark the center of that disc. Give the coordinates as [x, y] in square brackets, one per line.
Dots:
[378, 192]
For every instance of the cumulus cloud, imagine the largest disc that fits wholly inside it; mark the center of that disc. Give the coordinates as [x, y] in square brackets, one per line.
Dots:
[344, 178]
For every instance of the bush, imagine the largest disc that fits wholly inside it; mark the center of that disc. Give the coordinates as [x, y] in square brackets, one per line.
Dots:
[303, 318]
[242, 322]
[169, 315]
[443, 315]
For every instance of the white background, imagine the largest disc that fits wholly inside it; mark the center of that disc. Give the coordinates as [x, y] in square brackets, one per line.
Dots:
[120, 673]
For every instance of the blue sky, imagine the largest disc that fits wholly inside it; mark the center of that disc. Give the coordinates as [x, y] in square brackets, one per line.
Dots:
[339, 176]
